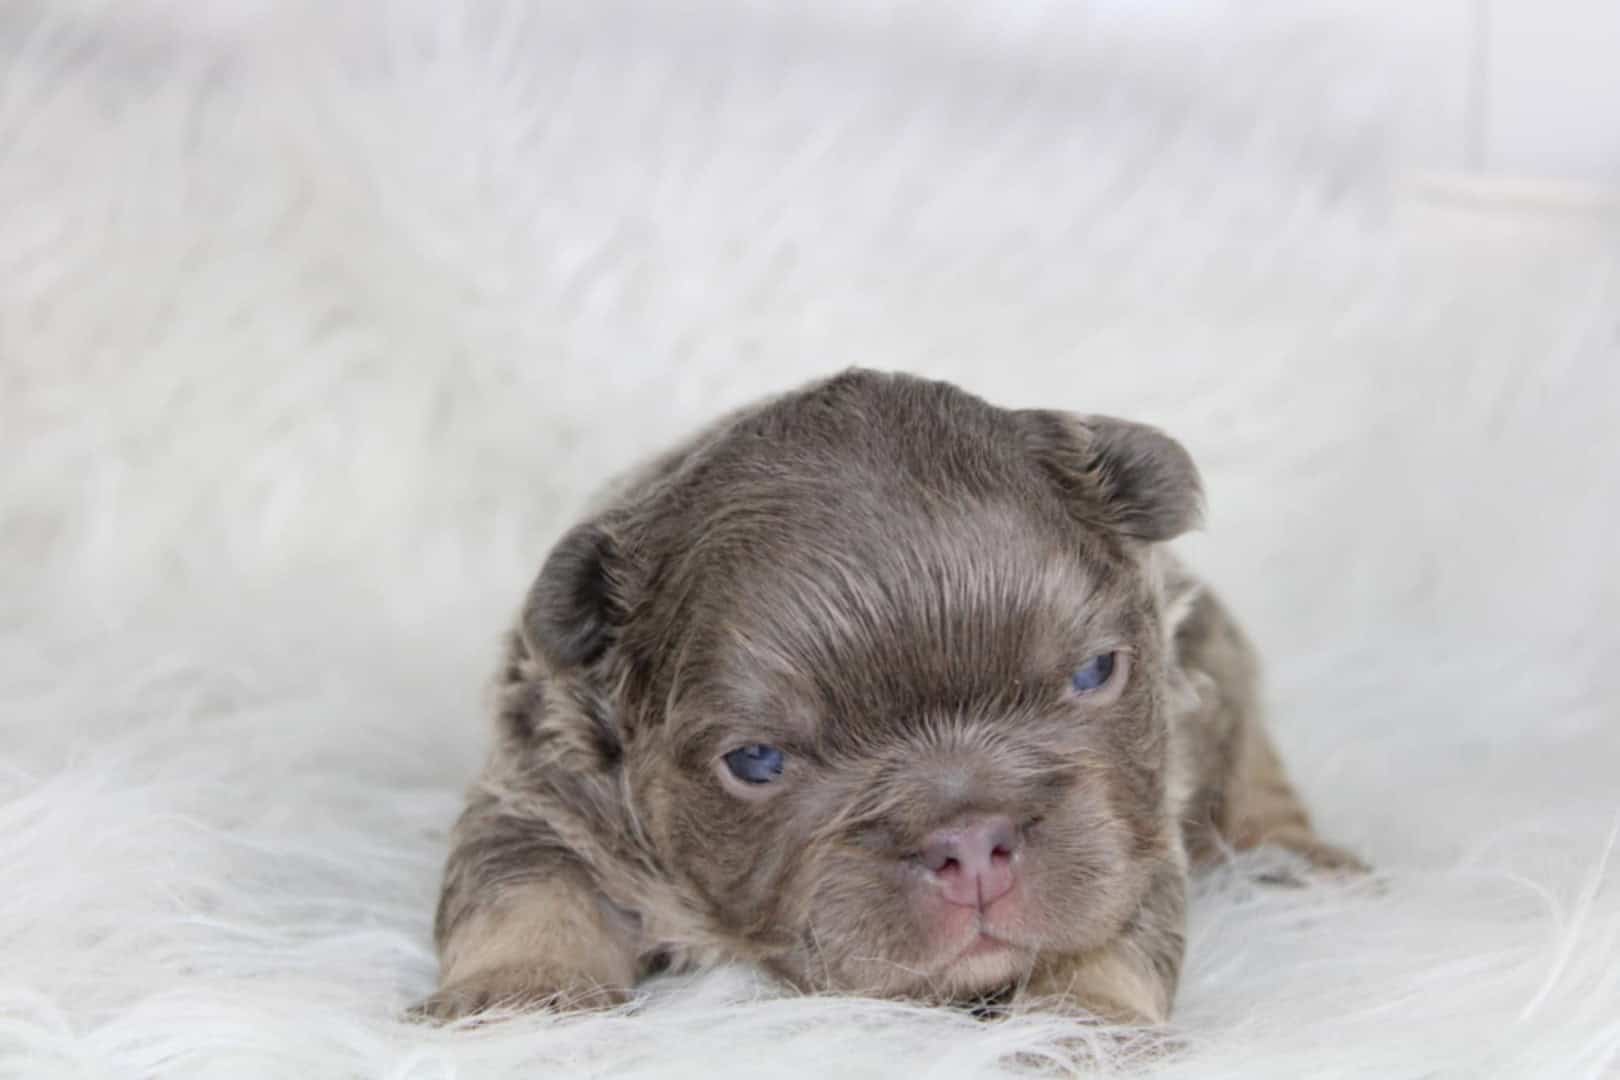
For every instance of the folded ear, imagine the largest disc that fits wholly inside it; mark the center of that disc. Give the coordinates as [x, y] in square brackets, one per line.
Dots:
[573, 607]
[1129, 477]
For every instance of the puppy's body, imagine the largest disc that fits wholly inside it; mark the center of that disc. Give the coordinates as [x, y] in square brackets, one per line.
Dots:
[881, 688]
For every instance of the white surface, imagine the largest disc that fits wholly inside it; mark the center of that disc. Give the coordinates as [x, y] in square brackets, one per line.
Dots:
[1525, 90]
[1552, 89]
[316, 327]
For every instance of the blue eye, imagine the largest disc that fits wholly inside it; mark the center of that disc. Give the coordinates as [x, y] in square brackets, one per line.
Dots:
[1093, 674]
[755, 763]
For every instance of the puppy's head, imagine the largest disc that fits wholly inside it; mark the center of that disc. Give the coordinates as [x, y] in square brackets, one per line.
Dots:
[884, 671]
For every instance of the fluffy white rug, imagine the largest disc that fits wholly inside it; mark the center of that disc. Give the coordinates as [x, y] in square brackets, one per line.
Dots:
[318, 321]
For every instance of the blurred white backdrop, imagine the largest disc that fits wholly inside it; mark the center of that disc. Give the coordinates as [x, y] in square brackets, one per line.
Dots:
[317, 323]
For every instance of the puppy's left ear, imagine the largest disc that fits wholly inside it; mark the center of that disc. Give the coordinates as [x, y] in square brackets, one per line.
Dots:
[1128, 477]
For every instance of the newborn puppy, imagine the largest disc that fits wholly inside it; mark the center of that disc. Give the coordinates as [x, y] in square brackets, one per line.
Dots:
[882, 688]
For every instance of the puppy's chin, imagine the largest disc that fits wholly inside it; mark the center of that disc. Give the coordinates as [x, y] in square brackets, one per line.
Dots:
[969, 967]
[986, 965]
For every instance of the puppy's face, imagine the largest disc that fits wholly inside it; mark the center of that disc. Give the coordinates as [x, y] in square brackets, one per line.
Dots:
[887, 671]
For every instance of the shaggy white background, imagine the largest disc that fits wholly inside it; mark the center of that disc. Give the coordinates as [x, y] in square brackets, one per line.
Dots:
[317, 322]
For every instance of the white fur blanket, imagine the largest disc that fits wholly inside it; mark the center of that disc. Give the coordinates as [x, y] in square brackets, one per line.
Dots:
[318, 320]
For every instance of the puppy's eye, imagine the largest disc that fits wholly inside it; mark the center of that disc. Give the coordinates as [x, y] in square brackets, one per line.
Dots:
[755, 763]
[1094, 673]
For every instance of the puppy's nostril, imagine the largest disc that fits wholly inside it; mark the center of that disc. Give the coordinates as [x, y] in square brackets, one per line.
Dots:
[938, 859]
[1003, 840]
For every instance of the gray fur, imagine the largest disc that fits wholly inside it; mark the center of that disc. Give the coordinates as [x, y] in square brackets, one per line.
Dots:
[892, 580]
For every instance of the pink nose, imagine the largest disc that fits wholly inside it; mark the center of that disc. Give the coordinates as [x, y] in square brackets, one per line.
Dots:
[972, 860]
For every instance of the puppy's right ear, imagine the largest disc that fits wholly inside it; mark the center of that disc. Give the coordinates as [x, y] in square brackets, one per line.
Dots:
[573, 608]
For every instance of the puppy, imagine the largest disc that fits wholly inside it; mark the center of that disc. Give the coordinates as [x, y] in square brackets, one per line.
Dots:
[883, 689]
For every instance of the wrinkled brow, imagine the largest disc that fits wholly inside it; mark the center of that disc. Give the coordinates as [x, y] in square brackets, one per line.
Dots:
[829, 633]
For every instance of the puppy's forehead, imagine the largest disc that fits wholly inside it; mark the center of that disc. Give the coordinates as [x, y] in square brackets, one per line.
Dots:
[869, 544]
[917, 609]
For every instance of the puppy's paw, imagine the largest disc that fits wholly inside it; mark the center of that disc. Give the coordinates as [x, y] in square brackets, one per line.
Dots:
[1317, 860]
[1105, 1035]
[505, 991]
[1095, 1010]
[1107, 989]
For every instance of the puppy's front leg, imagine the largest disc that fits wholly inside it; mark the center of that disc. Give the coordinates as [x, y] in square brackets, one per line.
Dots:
[520, 925]
[1132, 979]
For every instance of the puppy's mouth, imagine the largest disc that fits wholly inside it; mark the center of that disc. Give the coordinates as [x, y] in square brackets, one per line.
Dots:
[978, 936]
[983, 944]
[983, 963]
